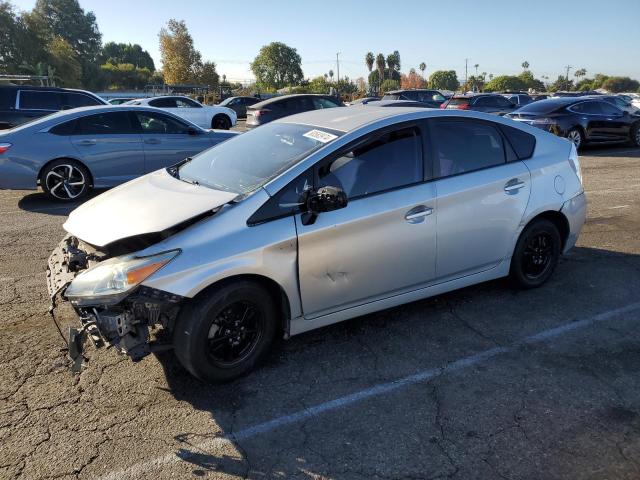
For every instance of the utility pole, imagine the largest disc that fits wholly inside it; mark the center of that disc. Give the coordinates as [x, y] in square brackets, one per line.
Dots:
[566, 83]
[338, 66]
[466, 62]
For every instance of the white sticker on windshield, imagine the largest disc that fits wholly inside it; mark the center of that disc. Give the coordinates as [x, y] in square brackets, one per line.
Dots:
[320, 136]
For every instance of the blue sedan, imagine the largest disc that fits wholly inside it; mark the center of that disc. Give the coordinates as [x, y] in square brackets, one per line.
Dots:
[70, 152]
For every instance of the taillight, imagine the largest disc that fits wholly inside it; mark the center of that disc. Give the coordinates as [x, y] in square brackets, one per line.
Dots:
[4, 147]
[574, 161]
[443, 105]
[463, 106]
[257, 113]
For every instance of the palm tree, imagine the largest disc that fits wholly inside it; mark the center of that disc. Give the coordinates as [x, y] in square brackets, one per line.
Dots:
[423, 67]
[391, 63]
[525, 65]
[580, 73]
[369, 59]
[491, 76]
[331, 74]
[380, 64]
[476, 67]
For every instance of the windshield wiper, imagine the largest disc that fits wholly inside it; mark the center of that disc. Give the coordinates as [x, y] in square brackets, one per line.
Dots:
[174, 170]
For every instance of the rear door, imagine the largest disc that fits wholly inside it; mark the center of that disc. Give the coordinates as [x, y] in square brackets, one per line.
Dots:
[614, 123]
[167, 140]
[481, 196]
[110, 146]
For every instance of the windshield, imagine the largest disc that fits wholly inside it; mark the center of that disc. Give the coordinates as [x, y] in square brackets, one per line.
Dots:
[246, 162]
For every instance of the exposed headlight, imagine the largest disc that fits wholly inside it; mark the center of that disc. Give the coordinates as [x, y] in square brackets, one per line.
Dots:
[108, 282]
[574, 161]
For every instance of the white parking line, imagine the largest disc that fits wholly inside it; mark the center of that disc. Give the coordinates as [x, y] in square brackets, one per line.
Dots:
[139, 469]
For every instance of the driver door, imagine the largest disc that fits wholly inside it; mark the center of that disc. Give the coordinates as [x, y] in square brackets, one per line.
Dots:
[383, 243]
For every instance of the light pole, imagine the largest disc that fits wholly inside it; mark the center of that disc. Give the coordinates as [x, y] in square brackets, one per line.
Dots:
[566, 83]
[338, 66]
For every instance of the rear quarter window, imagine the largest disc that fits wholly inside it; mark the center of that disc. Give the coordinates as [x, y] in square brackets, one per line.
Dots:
[523, 143]
[7, 99]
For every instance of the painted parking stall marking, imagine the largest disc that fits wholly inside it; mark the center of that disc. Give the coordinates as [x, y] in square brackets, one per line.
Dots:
[137, 470]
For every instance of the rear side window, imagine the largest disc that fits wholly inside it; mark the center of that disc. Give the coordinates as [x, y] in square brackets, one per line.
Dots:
[457, 102]
[75, 100]
[163, 103]
[463, 146]
[64, 129]
[186, 103]
[388, 161]
[592, 108]
[7, 99]
[111, 123]
[319, 102]
[523, 143]
[38, 100]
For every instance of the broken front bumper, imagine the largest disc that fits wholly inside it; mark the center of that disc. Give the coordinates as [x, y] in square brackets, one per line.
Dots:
[134, 326]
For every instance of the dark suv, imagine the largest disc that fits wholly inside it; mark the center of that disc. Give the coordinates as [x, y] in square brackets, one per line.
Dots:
[481, 102]
[20, 104]
[278, 107]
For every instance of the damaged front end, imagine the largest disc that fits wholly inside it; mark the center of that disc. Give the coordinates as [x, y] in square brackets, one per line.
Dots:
[113, 307]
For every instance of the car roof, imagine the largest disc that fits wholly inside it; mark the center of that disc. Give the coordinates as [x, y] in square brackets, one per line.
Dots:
[390, 103]
[411, 90]
[271, 100]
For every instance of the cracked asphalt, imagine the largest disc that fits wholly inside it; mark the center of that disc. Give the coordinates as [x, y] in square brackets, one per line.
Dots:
[564, 407]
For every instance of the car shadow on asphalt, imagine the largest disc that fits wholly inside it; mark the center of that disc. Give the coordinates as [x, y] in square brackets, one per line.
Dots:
[608, 150]
[39, 202]
[428, 326]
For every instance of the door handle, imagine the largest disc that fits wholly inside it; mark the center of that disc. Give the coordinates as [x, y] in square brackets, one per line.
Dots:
[513, 185]
[152, 141]
[416, 214]
[86, 143]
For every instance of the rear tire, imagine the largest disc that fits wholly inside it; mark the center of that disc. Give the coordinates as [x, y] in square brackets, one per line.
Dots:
[536, 254]
[576, 137]
[221, 122]
[65, 180]
[225, 332]
[635, 134]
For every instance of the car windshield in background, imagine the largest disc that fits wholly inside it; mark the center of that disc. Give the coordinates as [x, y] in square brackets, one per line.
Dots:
[248, 161]
[459, 101]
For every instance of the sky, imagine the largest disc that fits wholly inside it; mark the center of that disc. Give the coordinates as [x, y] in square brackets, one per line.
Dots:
[498, 35]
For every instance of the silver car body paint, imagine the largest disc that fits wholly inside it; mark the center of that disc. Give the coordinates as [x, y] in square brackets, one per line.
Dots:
[366, 257]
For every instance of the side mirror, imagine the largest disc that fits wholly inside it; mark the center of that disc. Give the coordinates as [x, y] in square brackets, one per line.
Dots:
[193, 131]
[325, 199]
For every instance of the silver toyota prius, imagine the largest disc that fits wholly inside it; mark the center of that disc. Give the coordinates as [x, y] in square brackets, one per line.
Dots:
[310, 220]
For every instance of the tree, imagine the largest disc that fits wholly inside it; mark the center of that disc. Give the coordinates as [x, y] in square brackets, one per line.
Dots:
[331, 75]
[361, 84]
[277, 65]
[12, 38]
[380, 64]
[525, 65]
[65, 19]
[530, 82]
[503, 83]
[374, 77]
[126, 76]
[413, 80]
[369, 60]
[181, 62]
[561, 84]
[396, 62]
[444, 80]
[423, 67]
[116, 53]
[391, 62]
[206, 75]
[620, 84]
[63, 60]
[581, 72]
[389, 85]
[476, 67]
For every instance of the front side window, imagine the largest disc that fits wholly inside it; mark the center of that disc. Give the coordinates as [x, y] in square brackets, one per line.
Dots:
[463, 146]
[319, 102]
[186, 103]
[37, 100]
[111, 123]
[608, 109]
[152, 122]
[246, 162]
[388, 161]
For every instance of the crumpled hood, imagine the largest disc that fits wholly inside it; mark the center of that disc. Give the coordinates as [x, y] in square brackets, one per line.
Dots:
[151, 203]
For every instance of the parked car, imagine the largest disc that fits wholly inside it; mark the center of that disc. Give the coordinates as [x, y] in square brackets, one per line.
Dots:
[205, 116]
[581, 119]
[634, 98]
[398, 103]
[362, 101]
[622, 103]
[519, 99]
[480, 102]
[68, 153]
[239, 104]
[20, 104]
[433, 98]
[314, 219]
[278, 107]
[119, 101]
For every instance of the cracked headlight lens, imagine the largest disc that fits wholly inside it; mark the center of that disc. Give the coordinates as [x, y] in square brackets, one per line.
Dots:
[108, 281]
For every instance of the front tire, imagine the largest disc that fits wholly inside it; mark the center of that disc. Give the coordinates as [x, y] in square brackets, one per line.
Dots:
[221, 122]
[65, 180]
[576, 137]
[224, 333]
[536, 254]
